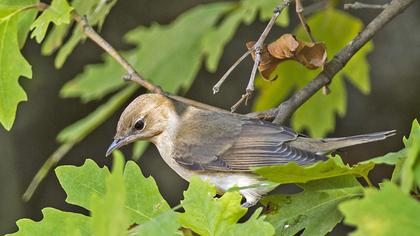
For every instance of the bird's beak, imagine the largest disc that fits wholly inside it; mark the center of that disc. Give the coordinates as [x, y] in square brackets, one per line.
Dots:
[117, 143]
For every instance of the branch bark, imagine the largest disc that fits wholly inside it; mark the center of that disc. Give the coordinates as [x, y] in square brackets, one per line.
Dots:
[284, 111]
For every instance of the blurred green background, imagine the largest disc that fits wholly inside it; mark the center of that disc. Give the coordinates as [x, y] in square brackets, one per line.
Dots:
[392, 104]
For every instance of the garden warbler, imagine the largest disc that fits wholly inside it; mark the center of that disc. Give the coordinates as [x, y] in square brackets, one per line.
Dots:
[221, 147]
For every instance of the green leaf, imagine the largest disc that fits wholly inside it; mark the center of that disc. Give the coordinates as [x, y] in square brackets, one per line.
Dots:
[266, 11]
[58, 13]
[411, 165]
[385, 212]
[138, 149]
[55, 222]
[406, 161]
[77, 131]
[96, 81]
[216, 38]
[175, 47]
[9, 8]
[143, 198]
[109, 216]
[315, 209]
[56, 36]
[391, 158]
[164, 224]
[10, 91]
[207, 215]
[294, 173]
[255, 225]
[81, 183]
[96, 12]
[336, 29]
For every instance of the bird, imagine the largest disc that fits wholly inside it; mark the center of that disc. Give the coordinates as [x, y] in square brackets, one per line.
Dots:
[222, 147]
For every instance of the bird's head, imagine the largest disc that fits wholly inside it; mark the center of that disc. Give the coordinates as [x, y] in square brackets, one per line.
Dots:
[144, 119]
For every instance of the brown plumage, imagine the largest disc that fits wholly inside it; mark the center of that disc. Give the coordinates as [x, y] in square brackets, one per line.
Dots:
[221, 147]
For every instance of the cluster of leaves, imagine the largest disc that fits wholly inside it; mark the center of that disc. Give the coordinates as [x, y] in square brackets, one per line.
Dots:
[124, 202]
[180, 39]
[335, 29]
[126, 199]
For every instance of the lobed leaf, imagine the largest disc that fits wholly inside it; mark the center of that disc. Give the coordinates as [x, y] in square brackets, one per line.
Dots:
[206, 215]
[58, 13]
[108, 213]
[95, 82]
[81, 183]
[385, 212]
[164, 224]
[55, 222]
[315, 210]
[294, 173]
[11, 93]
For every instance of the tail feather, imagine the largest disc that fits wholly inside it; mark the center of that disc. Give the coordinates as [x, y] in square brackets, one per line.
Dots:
[326, 145]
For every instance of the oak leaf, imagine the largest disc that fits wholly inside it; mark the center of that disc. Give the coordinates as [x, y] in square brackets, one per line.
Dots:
[288, 47]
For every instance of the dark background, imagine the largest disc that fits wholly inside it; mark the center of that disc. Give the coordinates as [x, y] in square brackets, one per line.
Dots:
[393, 104]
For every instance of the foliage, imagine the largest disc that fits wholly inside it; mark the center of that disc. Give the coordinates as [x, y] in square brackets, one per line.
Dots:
[124, 202]
[385, 212]
[125, 197]
[209, 216]
[315, 209]
[293, 173]
[335, 28]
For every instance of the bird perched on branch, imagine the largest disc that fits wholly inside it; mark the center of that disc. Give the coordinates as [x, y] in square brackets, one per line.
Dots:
[221, 147]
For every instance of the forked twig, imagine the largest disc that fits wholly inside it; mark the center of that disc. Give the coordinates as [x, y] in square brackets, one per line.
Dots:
[284, 111]
[257, 49]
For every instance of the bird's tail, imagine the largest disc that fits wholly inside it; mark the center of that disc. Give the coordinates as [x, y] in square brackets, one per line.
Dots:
[326, 145]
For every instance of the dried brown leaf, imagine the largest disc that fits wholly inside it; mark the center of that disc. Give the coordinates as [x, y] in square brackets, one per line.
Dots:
[288, 47]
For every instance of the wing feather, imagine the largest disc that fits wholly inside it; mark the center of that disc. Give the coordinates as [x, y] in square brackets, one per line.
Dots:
[241, 145]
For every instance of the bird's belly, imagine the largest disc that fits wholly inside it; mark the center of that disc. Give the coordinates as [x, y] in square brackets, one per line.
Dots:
[225, 180]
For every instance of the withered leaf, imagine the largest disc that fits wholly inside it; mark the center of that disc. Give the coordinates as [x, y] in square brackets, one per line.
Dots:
[288, 47]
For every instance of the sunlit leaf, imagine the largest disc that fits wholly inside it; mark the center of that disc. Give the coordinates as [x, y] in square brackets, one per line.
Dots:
[55, 222]
[383, 212]
[11, 93]
[294, 173]
[96, 12]
[164, 224]
[58, 13]
[81, 183]
[207, 215]
[109, 215]
[315, 210]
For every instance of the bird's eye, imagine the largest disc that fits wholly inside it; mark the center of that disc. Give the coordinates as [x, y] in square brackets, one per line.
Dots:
[139, 125]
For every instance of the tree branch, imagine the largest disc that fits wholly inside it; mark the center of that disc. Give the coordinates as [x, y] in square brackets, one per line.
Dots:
[257, 49]
[360, 5]
[284, 111]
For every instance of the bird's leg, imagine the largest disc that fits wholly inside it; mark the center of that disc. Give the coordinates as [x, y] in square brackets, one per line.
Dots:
[251, 196]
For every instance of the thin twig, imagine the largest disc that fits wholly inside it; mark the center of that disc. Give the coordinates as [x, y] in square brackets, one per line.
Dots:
[216, 87]
[94, 36]
[299, 12]
[283, 112]
[257, 49]
[360, 5]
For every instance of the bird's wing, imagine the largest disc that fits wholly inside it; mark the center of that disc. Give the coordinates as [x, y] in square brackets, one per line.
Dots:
[241, 144]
